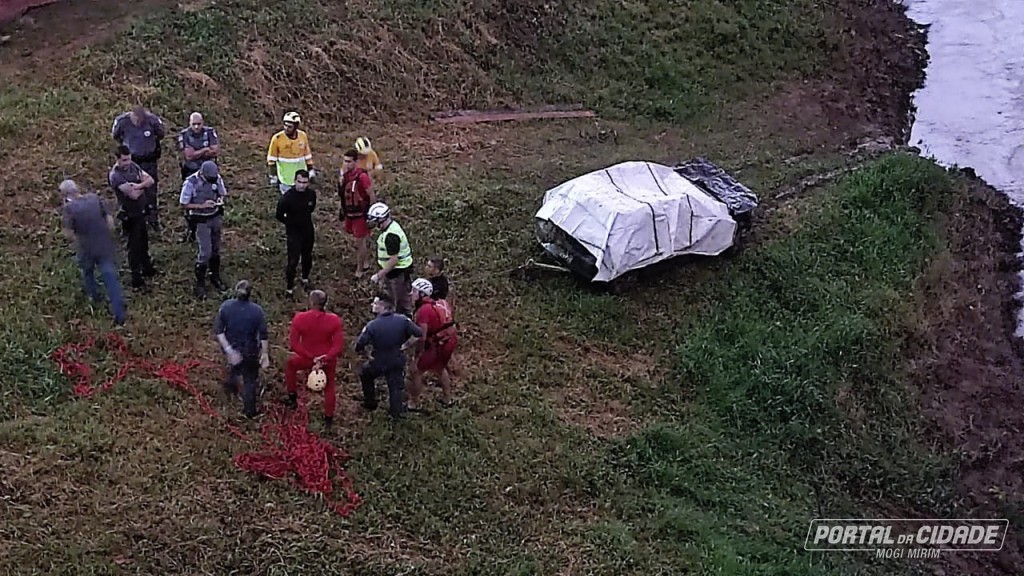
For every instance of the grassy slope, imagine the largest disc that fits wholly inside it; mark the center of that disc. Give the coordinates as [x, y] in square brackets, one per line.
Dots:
[767, 376]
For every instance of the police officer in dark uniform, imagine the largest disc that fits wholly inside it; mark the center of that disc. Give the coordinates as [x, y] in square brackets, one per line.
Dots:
[202, 194]
[130, 183]
[389, 335]
[197, 144]
[141, 131]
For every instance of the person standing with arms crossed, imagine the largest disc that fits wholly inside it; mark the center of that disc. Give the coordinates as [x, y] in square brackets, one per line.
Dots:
[288, 153]
[389, 335]
[317, 338]
[89, 225]
[141, 132]
[295, 210]
[241, 330]
[130, 182]
[203, 194]
[197, 144]
[355, 189]
[394, 256]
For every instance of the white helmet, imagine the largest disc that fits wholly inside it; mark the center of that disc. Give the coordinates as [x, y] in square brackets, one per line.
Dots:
[363, 145]
[378, 212]
[292, 117]
[423, 286]
[317, 380]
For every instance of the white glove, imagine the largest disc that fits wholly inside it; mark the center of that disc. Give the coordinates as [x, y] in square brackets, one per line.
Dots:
[234, 358]
[273, 180]
[264, 361]
[375, 278]
[312, 173]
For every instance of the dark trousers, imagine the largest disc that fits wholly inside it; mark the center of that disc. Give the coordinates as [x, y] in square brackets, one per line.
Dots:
[300, 248]
[152, 214]
[248, 370]
[399, 288]
[395, 377]
[137, 239]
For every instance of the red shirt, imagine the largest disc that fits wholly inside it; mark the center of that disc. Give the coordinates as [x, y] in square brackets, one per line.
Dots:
[434, 316]
[355, 193]
[317, 333]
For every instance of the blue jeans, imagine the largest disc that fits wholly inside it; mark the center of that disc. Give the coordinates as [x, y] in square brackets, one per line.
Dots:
[108, 273]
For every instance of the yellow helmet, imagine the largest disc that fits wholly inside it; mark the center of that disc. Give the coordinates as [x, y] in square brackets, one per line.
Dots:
[292, 117]
[363, 145]
[317, 380]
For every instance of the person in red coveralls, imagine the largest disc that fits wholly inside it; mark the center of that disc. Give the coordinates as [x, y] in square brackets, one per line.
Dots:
[435, 349]
[355, 190]
[317, 338]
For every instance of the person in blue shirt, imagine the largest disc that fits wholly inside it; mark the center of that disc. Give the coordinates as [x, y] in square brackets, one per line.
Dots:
[241, 330]
[390, 335]
[90, 225]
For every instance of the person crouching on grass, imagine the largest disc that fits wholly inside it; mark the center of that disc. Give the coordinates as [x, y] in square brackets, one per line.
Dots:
[317, 338]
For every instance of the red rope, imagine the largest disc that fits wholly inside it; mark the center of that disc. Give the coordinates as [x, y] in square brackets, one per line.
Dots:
[289, 448]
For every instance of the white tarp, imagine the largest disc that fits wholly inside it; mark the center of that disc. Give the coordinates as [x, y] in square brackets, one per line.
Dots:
[629, 216]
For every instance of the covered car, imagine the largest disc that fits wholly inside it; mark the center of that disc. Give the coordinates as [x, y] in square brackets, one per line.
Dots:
[628, 216]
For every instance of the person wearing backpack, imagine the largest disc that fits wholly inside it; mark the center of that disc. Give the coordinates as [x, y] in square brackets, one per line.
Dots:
[355, 190]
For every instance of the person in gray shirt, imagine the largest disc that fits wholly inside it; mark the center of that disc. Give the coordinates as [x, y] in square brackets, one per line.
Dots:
[389, 335]
[141, 131]
[89, 224]
[203, 195]
[129, 183]
[197, 144]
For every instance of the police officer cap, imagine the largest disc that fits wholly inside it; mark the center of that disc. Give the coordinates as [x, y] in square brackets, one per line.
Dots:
[209, 169]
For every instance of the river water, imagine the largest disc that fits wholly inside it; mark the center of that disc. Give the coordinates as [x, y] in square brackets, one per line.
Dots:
[970, 113]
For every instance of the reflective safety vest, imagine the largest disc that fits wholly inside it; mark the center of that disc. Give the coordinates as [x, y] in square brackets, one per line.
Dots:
[404, 251]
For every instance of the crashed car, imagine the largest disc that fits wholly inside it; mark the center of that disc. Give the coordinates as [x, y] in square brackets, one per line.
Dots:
[609, 222]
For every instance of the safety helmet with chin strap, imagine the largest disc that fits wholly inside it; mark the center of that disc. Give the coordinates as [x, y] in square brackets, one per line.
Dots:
[423, 286]
[363, 145]
[292, 117]
[378, 213]
[317, 380]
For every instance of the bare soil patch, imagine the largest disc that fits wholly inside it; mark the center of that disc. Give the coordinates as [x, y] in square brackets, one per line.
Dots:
[47, 35]
[969, 369]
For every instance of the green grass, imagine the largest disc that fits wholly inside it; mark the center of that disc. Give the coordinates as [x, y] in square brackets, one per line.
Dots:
[727, 372]
[657, 60]
[728, 479]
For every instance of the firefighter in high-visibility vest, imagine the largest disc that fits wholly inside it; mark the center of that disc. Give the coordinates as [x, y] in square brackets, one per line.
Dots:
[288, 153]
[394, 255]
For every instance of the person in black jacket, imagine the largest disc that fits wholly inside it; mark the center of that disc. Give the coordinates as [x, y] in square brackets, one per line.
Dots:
[295, 211]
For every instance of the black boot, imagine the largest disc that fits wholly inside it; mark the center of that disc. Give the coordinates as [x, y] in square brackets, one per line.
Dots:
[215, 274]
[138, 282]
[200, 289]
[292, 401]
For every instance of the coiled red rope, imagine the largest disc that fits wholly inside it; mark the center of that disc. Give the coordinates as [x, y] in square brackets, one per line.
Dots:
[289, 449]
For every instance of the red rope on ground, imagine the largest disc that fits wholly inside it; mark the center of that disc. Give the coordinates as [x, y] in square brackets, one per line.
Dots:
[290, 449]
